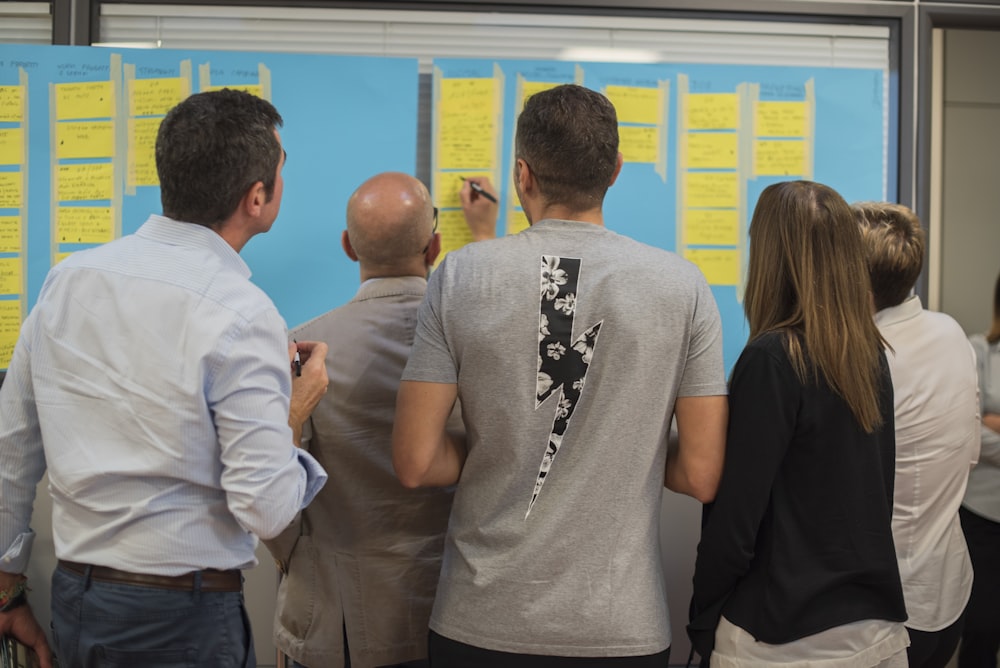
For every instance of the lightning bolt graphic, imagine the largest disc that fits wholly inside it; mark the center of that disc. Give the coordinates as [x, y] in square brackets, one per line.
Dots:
[562, 360]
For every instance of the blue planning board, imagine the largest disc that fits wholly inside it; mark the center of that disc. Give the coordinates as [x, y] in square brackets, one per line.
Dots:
[700, 143]
[77, 126]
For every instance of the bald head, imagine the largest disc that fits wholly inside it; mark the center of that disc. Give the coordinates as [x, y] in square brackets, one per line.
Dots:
[390, 219]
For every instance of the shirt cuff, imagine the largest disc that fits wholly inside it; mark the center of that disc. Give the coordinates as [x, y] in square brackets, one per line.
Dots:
[15, 559]
[315, 476]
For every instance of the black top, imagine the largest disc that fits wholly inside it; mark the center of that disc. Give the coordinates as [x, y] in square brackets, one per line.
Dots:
[799, 538]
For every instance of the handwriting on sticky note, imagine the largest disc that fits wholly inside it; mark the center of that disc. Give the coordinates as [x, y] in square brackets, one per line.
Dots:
[711, 227]
[10, 326]
[11, 146]
[466, 124]
[253, 89]
[84, 224]
[711, 190]
[12, 104]
[712, 150]
[781, 119]
[93, 181]
[11, 190]
[779, 157]
[634, 104]
[87, 139]
[454, 231]
[638, 143]
[142, 151]
[721, 267]
[92, 99]
[713, 111]
[155, 97]
[11, 282]
[448, 184]
[11, 231]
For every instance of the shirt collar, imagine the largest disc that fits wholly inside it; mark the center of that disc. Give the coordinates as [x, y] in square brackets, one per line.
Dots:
[910, 308]
[176, 233]
[390, 286]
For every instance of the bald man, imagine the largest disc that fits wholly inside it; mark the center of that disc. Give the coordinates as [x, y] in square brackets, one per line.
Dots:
[361, 568]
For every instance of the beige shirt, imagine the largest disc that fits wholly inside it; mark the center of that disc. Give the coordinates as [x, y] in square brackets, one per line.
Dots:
[369, 552]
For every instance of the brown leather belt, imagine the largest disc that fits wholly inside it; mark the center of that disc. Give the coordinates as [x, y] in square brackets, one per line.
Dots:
[211, 580]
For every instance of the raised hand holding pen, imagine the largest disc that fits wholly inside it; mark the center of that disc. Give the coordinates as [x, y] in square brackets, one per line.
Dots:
[309, 387]
[479, 204]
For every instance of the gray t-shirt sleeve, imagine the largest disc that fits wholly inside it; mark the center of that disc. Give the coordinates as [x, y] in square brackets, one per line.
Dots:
[704, 373]
[431, 359]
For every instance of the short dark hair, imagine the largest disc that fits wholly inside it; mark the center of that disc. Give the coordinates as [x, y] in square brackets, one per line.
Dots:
[894, 245]
[568, 135]
[210, 149]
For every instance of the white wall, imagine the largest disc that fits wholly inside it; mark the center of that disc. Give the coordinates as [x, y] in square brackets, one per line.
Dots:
[970, 220]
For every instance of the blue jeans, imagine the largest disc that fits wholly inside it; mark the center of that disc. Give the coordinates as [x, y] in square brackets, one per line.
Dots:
[111, 625]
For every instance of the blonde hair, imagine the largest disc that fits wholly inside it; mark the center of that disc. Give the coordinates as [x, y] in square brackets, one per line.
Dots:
[894, 242]
[807, 278]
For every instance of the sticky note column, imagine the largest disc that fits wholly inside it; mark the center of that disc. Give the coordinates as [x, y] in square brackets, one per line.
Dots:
[13, 212]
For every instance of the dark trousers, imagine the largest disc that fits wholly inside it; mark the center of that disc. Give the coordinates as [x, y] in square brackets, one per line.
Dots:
[981, 636]
[111, 625]
[934, 649]
[447, 653]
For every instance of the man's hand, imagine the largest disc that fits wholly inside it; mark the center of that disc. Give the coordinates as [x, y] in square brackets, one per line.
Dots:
[480, 212]
[309, 387]
[992, 420]
[21, 624]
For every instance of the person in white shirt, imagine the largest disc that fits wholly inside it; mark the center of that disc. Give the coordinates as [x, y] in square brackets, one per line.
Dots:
[936, 406]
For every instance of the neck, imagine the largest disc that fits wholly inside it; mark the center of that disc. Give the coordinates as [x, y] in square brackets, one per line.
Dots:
[368, 271]
[594, 216]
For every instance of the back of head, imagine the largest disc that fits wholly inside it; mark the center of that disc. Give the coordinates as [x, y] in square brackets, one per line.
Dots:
[894, 242]
[210, 149]
[390, 221]
[568, 136]
[807, 276]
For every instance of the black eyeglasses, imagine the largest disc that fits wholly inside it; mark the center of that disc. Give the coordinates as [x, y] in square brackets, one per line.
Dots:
[433, 232]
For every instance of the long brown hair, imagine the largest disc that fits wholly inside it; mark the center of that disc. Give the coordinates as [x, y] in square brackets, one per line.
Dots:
[808, 278]
[994, 334]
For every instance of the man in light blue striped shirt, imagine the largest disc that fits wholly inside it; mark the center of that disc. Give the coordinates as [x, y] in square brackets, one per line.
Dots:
[154, 381]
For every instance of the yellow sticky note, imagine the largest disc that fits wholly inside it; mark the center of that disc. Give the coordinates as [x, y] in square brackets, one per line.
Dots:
[12, 103]
[90, 139]
[10, 327]
[779, 157]
[92, 99]
[10, 234]
[61, 256]
[721, 267]
[711, 150]
[529, 88]
[11, 185]
[713, 111]
[10, 276]
[781, 119]
[11, 146]
[447, 185]
[155, 97]
[634, 104]
[454, 232]
[142, 151]
[516, 221]
[638, 143]
[253, 89]
[711, 227]
[466, 124]
[711, 190]
[84, 224]
[92, 181]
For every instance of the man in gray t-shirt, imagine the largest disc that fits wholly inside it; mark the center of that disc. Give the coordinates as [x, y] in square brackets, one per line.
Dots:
[571, 348]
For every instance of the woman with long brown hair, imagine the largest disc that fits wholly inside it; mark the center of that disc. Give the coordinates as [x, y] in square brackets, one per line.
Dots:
[796, 561]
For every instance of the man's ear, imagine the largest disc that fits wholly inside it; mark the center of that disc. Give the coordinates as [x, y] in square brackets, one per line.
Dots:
[345, 243]
[525, 179]
[618, 168]
[433, 250]
[254, 199]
